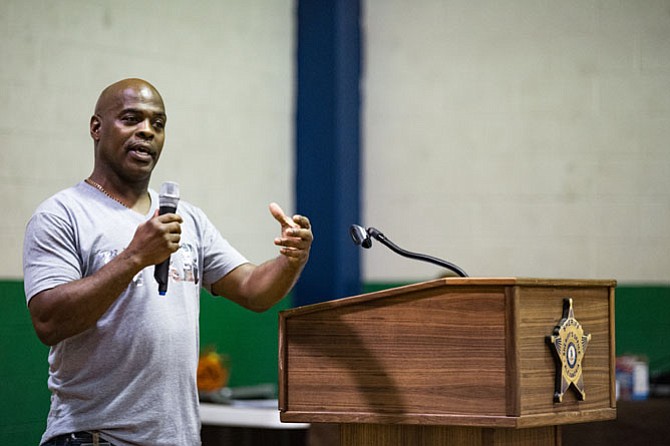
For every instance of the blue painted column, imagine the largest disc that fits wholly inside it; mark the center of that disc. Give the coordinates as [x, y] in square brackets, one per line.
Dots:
[328, 145]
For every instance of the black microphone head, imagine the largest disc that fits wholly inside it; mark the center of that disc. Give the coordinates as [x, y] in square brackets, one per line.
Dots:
[360, 236]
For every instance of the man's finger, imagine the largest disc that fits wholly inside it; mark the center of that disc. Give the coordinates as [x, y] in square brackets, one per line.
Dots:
[302, 221]
[282, 218]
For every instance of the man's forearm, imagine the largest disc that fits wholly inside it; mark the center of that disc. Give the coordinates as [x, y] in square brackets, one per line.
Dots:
[69, 309]
[273, 280]
[259, 287]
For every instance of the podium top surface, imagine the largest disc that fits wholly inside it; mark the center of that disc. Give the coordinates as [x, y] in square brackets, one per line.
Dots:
[450, 282]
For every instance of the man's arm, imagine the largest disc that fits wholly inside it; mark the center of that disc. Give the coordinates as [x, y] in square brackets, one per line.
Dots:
[259, 287]
[69, 309]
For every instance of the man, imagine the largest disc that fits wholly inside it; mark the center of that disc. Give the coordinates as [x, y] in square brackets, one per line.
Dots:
[123, 359]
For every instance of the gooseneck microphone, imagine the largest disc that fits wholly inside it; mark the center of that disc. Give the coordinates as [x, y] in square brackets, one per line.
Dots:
[167, 204]
[363, 237]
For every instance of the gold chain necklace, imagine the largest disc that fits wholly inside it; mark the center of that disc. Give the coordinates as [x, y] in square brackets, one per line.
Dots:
[102, 189]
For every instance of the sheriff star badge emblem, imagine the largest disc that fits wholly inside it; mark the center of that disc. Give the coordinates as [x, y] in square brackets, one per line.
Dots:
[568, 343]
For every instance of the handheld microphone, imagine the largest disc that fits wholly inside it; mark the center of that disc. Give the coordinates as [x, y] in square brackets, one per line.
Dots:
[362, 237]
[167, 204]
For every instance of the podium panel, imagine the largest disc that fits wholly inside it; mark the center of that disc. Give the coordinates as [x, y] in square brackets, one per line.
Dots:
[467, 352]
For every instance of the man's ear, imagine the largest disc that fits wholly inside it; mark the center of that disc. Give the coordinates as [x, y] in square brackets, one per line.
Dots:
[95, 127]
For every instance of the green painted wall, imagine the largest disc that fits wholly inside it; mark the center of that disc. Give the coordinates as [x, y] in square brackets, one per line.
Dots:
[24, 398]
[643, 324]
[250, 339]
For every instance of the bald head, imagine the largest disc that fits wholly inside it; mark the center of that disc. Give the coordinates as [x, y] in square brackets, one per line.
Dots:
[125, 88]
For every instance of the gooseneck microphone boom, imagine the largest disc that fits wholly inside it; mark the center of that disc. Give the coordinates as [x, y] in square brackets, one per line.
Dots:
[361, 237]
[167, 204]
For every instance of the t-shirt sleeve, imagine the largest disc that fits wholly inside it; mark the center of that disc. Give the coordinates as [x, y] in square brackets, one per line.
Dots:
[219, 256]
[50, 256]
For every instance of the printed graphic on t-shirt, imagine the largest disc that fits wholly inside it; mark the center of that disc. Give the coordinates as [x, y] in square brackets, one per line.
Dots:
[183, 265]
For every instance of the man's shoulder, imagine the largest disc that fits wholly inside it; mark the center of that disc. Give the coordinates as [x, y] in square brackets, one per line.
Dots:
[62, 200]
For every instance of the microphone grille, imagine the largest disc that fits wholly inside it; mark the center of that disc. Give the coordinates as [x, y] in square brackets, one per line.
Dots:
[170, 189]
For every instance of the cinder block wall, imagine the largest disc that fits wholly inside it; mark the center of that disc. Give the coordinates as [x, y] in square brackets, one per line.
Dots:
[523, 138]
[225, 70]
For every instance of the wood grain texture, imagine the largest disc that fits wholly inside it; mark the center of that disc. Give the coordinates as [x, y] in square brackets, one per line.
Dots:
[450, 352]
[540, 310]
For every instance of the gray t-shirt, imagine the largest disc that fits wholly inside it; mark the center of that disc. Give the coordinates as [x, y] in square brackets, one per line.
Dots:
[133, 375]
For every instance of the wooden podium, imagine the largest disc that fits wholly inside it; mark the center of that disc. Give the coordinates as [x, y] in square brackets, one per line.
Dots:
[454, 361]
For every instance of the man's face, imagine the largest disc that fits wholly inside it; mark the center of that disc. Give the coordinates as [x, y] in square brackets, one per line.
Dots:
[129, 130]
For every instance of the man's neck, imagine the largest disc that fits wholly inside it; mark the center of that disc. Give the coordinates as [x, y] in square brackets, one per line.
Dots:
[134, 196]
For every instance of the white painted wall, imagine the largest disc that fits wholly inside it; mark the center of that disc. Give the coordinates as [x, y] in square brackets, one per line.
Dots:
[225, 70]
[525, 138]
